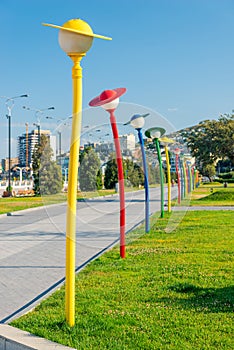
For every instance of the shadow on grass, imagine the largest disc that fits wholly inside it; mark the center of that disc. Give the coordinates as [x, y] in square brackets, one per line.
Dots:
[204, 299]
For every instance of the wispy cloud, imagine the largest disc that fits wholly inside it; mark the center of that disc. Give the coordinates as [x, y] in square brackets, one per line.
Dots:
[174, 109]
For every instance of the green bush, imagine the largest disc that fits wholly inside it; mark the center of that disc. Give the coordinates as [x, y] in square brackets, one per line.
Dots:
[227, 176]
[230, 181]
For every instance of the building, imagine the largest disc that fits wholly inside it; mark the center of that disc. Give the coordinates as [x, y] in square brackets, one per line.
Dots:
[27, 143]
[5, 163]
[127, 142]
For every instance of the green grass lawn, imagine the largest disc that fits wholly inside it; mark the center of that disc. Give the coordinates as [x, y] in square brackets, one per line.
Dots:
[173, 291]
[19, 203]
[12, 204]
[213, 195]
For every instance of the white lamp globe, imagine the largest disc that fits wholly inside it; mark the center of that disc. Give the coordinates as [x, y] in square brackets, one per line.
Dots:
[111, 105]
[73, 42]
[137, 122]
[177, 151]
[155, 134]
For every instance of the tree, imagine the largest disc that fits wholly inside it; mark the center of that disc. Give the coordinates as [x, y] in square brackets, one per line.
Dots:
[111, 174]
[89, 170]
[209, 171]
[46, 173]
[211, 140]
[154, 174]
[99, 179]
[132, 172]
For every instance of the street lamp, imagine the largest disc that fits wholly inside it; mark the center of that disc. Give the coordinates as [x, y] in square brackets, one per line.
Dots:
[109, 100]
[155, 134]
[38, 115]
[182, 176]
[177, 152]
[63, 122]
[166, 141]
[75, 39]
[137, 121]
[10, 101]
[185, 179]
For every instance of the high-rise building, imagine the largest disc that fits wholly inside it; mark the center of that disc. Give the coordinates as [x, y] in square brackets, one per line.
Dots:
[5, 163]
[27, 143]
[127, 142]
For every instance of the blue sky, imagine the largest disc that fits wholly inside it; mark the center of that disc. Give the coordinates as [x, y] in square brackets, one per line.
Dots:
[173, 56]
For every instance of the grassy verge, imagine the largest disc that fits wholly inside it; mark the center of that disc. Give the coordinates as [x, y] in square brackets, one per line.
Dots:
[173, 291]
[213, 195]
[19, 203]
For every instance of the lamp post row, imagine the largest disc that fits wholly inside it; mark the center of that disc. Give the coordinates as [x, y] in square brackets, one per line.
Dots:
[75, 39]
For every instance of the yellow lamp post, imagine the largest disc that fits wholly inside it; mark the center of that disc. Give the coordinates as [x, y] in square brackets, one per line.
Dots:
[75, 38]
[166, 141]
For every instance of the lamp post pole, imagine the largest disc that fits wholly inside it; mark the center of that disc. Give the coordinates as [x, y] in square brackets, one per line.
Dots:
[75, 39]
[109, 100]
[166, 141]
[146, 181]
[177, 152]
[9, 150]
[155, 133]
[185, 178]
[161, 175]
[182, 178]
[189, 176]
[137, 121]
[168, 179]
[10, 101]
[121, 182]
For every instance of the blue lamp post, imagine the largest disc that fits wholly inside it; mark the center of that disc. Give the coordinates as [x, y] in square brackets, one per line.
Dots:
[155, 134]
[137, 121]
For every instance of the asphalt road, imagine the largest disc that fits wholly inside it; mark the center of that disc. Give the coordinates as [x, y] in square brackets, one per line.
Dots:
[32, 245]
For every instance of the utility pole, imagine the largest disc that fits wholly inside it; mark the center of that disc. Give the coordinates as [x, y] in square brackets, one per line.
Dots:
[26, 124]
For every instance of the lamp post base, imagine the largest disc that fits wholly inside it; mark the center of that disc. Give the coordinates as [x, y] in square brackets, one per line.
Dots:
[122, 252]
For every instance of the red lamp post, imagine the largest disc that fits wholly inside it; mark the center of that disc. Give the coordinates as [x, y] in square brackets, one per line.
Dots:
[109, 100]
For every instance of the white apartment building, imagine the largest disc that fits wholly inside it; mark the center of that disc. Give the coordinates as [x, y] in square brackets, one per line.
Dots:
[27, 143]
[127, 142]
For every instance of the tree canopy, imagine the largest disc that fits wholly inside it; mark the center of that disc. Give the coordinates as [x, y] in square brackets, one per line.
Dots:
[211, 140]
[46, 173]
[89, 170]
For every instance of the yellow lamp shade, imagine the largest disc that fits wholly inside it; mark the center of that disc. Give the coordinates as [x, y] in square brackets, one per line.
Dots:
[76, 36]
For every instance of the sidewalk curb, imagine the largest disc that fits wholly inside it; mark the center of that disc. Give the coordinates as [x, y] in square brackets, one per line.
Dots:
[12, 338]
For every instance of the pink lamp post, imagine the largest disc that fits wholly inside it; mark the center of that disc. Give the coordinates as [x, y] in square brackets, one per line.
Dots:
[109, 100]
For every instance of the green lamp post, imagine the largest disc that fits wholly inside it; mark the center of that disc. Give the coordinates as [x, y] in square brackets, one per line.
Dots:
[155, 134]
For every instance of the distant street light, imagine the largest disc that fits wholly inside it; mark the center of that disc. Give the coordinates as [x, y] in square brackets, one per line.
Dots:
[109, 100]
[38, 115]
[137, 121]
[155, 134]
[10, 101]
